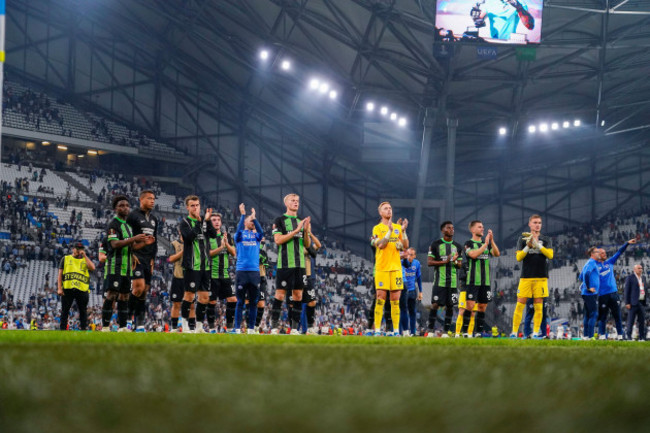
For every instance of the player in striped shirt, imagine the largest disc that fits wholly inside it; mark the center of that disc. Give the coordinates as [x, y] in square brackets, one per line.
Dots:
[196, 233]
[291, 235]
[477, 287]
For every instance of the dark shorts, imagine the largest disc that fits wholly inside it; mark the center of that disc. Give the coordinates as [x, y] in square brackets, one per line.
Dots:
[309, 293]
[480, 294]
[290, 279]
[221, 288]
[117, 283]
[444, 296]
[177, 290]
[142, 271]
[197, 281]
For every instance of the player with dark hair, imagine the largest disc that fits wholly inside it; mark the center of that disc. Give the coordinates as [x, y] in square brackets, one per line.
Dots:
[196, 233]
[248, 237]
[445, 256]
[142, 220]
[221, 247]
[534, 250]
[291, 235]
[120, 242]
[477, 286]
[389, 239]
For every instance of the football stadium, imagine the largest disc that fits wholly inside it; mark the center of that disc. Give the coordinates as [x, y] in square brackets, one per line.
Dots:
[324, 215]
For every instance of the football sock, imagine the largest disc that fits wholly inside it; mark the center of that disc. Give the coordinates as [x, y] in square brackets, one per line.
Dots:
[296, 312]
[140, 311]
[276, 310]
[132, 306]
[107, 312]
[379, 313]
[467, 315]
[479, 319]
[537, 317]
[230, 313]
[260, 314]
[516, 317]
[459, 323]
[185, 309]
[200, 312]
[395, 314]
[449, 314]
[311, 315]
[174, 322]
[122, 312]
[432, 318]
[212, 315]
[192, 323]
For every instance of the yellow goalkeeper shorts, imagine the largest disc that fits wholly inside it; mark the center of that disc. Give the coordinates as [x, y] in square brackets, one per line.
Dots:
[533, 288]
[389, 280]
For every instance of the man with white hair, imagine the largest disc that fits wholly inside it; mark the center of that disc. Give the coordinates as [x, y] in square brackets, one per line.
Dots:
[635, 301]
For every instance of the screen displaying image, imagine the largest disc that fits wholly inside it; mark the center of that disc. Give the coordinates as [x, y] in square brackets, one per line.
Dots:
[491, 21]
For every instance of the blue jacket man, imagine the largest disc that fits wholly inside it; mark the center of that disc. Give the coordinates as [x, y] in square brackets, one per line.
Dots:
[412, 274]
[589, 287]
[608, 299]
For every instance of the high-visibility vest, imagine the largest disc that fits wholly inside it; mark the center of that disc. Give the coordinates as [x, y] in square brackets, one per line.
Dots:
[75, 274]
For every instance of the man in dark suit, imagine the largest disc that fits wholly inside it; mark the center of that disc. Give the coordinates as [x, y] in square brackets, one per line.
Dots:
[635, 295]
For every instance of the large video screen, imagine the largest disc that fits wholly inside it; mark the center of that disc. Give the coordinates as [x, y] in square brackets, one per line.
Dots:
[489, 21]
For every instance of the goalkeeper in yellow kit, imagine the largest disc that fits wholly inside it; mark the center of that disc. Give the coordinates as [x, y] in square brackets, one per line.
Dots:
[388, 239]
[534, 250]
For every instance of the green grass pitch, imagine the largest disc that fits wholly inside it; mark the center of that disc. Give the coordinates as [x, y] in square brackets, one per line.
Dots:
[94, 382]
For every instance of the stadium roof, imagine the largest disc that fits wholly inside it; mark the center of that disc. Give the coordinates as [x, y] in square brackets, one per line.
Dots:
[593, 63]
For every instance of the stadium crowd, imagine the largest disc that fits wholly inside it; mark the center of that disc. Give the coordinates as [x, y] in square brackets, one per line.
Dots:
[345, 292]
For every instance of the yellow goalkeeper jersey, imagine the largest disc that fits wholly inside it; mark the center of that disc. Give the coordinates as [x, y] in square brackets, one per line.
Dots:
[387, 259]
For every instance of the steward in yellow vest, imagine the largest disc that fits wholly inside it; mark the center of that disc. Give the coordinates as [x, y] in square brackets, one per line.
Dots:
[74, 284]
